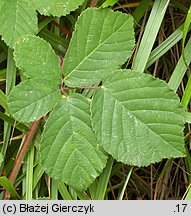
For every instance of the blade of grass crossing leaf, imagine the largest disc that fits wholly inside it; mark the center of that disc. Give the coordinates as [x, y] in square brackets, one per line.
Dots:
[104, 179]
[10, 82]
[29, 173]
[180, 68]
[4, 182]
[150, 34]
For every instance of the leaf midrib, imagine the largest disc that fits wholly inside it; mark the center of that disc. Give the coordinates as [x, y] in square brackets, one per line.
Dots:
[53, 92]
[121, 104]
[86, 57]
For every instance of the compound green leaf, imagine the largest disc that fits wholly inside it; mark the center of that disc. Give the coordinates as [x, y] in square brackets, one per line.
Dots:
[69, 149]
[55, 7]
[36, 58]
[33, 99]
[101, 43]
[17, 18]
[138, 119]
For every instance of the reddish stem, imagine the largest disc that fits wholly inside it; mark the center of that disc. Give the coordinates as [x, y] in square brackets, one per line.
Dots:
[64, 30]
[21, 154]
[93, 3]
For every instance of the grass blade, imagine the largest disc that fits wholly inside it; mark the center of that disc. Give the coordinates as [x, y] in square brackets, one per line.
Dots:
[103, 180]
[165, 46]
[10, 82]
[125, 185]
[188, 196]
[38, 172]
[150, 34]
[53, 190]
[11, 72]
[188, 117]
[187, 94]
[63, 190]
[29, 174]
[185, 32]
[3, 100]
[9, 187]
[180, 68]
[20, 126]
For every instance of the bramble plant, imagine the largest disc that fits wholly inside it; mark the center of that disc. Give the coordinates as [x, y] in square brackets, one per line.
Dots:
[132, 116]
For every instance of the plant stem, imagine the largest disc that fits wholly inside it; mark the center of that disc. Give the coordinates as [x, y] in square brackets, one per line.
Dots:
[65, 31]
[125, 185]
[93, 3]
[21, 154]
